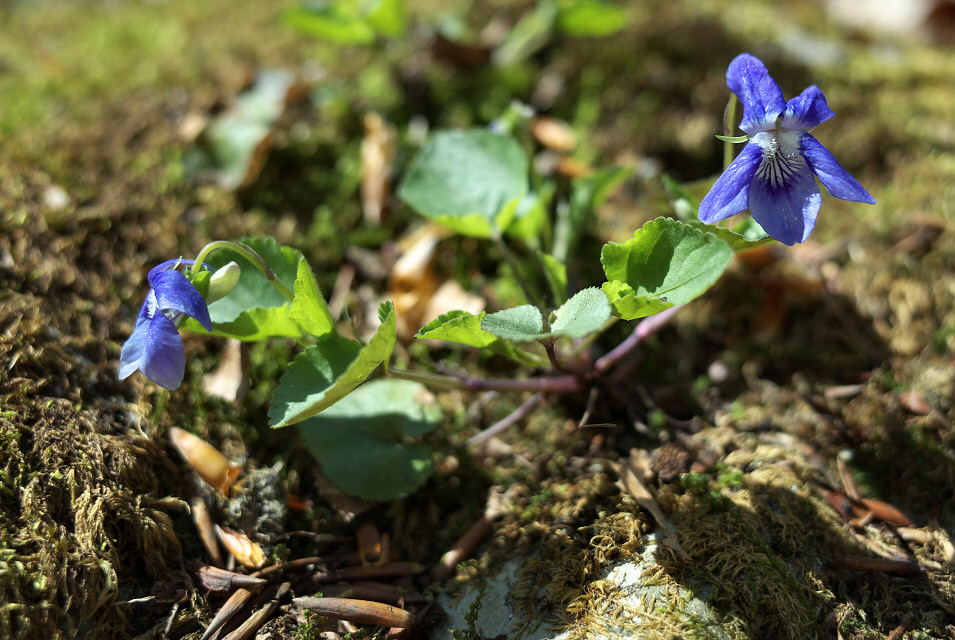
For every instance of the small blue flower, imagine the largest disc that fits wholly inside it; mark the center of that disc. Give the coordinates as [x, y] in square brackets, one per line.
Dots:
[155, 346]
[773, 174]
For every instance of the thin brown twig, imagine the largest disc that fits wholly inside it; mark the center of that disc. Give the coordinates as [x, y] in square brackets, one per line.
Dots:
[518, 414]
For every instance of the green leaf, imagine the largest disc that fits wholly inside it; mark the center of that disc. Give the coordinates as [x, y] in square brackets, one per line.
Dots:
[751, 231]
[628, 305]
[335, 21]
[326, 372]
[265, 100]
[465, 328]
[583, 314]
[587, 194]
[684, 206]
[556, 273]
[254, 310]
[591, 191]
[520, 324]
[530, 215]
[389, 18]
[458, 326]
[230, 146]
[234, 147]
[590, 18]
[666, 261]
[470, 181]
[362, 442]
[309, 309]
[745, 235]
[528, 36]
[586, 312]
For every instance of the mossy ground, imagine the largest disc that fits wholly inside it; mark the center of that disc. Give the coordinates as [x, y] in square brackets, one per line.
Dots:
[91, 98]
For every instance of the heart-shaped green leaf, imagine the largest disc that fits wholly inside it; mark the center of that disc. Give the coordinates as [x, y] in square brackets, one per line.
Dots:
[465, 328]
[519, 324]
[583, 314]
[309, 309]
[470, 181]
[362, 442]
[666, 261]
[586, 312]
[328, 371]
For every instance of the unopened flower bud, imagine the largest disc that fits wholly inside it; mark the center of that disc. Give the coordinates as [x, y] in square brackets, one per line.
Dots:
[223, 281]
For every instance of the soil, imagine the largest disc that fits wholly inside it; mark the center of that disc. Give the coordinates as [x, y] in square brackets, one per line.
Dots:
[840, 349]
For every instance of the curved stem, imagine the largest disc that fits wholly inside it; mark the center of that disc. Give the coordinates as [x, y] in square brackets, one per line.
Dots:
[252, 256]
[552, 384]
[645, 328]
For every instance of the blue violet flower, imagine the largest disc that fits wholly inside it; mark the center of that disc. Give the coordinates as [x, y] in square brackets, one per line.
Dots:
[773, 174]
[155, 346]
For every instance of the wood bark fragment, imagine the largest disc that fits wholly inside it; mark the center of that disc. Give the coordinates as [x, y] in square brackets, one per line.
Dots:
[899, 631]
[887, 512]
[232, 606]
[357, 611]
[883, 565]
[372, 572]
[462, 549]
[631, 482]
[377, 591]
[254, 622]
[216, 579]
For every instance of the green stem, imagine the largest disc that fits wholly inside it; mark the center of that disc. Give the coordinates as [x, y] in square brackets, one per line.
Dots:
[529, 293]
[729, 126]
[560, 297]
[585, 342]
[252, 256]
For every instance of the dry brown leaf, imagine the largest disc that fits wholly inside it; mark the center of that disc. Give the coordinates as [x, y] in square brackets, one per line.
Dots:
[450, 296]
[209, 463]
[573, 168]
[372, 544]
[230, 380]
[247, 552]
[347, 507]
[848, 482]
[377, 155]
[413, 285]
[915, 402]
[216, 579]
[554, 134]
[207, 532]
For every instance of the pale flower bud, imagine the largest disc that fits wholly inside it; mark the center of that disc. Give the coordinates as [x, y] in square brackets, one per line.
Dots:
[223, 281]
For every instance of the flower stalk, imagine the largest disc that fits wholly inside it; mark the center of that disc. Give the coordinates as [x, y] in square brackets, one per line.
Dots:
[252, 256]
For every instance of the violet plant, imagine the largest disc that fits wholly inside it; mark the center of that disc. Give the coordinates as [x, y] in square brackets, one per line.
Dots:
[773, 174]
[479, 183]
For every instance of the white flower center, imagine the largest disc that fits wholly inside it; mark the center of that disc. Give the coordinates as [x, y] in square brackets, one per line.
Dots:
[781, 155]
